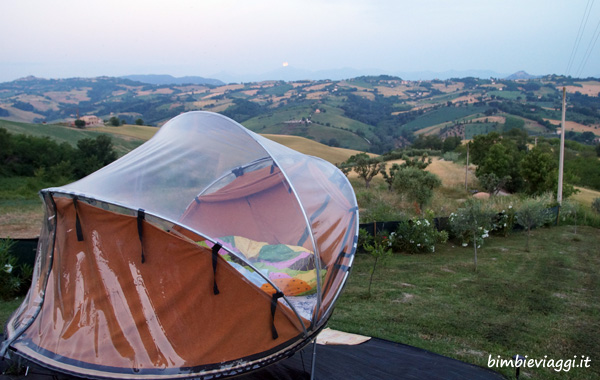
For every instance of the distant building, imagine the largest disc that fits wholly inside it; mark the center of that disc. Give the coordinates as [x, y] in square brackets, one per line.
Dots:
[92, 120]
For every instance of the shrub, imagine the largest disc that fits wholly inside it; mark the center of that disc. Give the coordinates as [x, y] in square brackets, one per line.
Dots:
[14, 278]
[451, 156]
[417, 185]
[504, 221]
[596, 204]
[471, 224]
[417, 236]
[533, 213]
[364, 237]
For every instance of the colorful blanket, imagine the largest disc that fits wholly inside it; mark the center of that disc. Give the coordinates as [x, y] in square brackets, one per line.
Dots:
[291, 268]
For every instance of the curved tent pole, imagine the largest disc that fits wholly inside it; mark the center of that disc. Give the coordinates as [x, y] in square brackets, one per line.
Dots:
[255, 162]
[345, 182]
[212, 240]
[306, 220]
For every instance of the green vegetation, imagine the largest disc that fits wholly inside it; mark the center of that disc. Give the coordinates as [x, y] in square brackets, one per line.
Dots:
[29, 156]
[371, 113]
[442, 115]
[436, 301]
[15, 278]
[60, 134]
[539, 303]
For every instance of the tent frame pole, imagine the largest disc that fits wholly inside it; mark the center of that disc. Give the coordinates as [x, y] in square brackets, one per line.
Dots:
[314, 360]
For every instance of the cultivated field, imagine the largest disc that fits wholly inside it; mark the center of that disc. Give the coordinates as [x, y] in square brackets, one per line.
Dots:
[591, 88]
[577, 127]
[313, 148]
[136, 131]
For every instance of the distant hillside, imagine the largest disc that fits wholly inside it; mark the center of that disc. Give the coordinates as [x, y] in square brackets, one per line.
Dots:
[169, 79]
[521, 75]
[128, 137]
[366, 113]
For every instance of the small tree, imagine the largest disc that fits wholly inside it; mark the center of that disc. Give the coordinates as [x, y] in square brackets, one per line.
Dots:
[380, 248]
[345, 168]
[537, 167]
[139, 122]
[417, 162]
[114, 121]
[79, 123]
[471, 224]
[532, 213]
[366, 167]
[417, 185]
[491, 183]
[390, 176]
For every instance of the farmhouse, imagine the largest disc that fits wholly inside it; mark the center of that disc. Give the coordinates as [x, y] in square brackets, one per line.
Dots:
[92, 120]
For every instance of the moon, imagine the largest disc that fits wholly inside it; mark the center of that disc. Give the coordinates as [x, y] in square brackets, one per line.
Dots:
[285, 64]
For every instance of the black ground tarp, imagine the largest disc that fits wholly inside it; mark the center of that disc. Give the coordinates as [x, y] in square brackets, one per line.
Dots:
[375, 359]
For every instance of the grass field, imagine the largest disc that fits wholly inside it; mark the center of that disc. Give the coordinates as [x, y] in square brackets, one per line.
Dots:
[512, 95]
[122, 143]
[475, 129]
[577, 127]
[313, 148]
[275, 123]
[140, 132]
[544, 302]
[442, 115]
[585, 196]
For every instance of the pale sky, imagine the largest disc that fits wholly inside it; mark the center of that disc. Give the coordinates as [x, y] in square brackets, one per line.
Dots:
[62, 39]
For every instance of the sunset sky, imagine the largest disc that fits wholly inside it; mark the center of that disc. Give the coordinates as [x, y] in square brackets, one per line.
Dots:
[59, 39]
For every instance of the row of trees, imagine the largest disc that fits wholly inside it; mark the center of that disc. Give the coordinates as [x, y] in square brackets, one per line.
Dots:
[113, 121]
[23, 155]
[409, 179]
[505, 161]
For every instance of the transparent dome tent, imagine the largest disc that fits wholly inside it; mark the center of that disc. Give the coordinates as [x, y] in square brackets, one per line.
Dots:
[206, 252]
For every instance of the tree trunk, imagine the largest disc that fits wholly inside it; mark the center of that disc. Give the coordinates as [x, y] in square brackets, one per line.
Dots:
[475, 248]
[372, 273]
[528, 233]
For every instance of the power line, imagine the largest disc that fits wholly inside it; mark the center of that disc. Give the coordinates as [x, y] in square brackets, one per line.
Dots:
[590, 48]
[582, 24]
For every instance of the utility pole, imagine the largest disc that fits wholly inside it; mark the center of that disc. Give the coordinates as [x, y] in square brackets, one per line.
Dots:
[561, 161]
[467, 168]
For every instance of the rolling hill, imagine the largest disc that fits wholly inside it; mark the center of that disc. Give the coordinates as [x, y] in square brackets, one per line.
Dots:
[367, 113]
[128, 137]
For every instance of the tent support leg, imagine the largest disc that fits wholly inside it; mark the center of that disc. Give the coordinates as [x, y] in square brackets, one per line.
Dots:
[314, 359]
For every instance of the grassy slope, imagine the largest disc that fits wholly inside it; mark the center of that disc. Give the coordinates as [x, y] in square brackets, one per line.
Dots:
[136, 131]
[539, 303]
[274, 123]
[313, 148]
[586, 196]
[122, 143]
[442, 115]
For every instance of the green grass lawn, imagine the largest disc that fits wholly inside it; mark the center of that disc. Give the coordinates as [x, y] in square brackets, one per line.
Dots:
[7, 308]
[543, 302]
